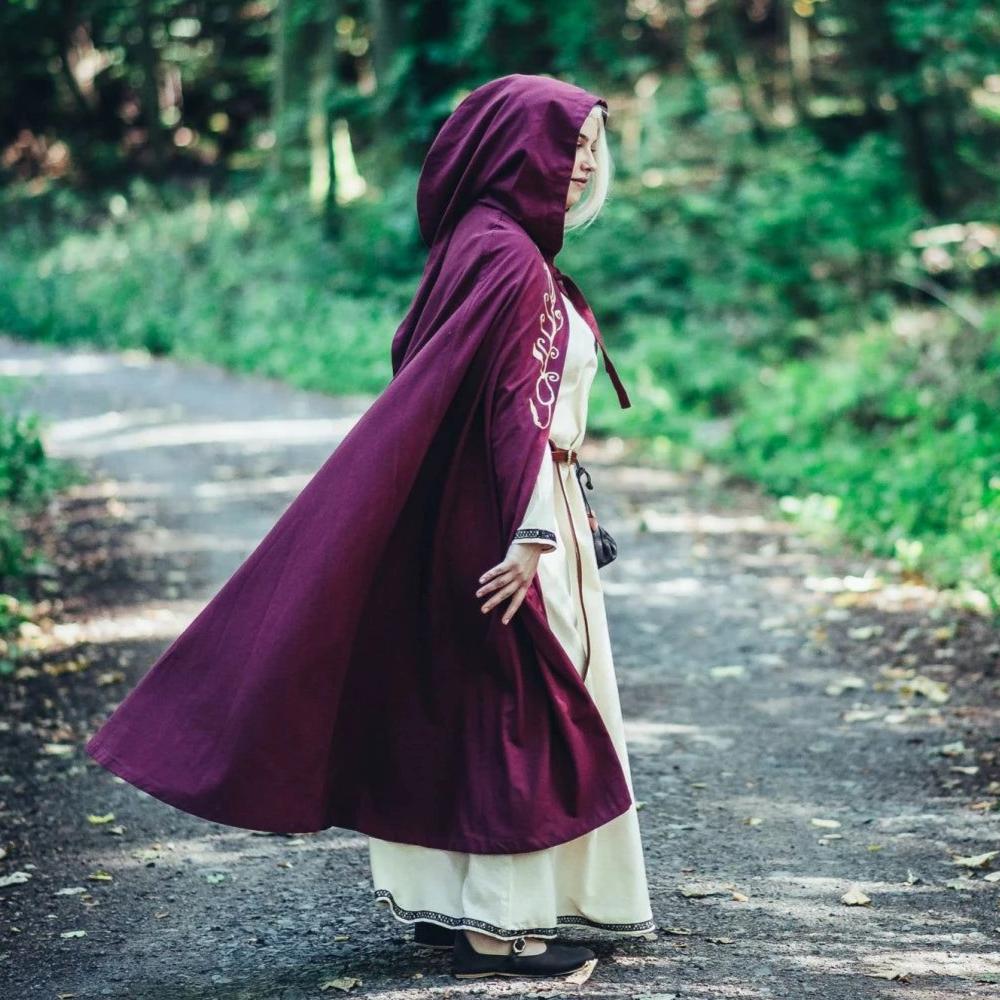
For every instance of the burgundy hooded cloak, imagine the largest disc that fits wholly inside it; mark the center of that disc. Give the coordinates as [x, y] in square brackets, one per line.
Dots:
[344, 675]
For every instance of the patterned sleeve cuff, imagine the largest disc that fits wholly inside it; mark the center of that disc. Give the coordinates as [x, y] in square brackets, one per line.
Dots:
[541, 536]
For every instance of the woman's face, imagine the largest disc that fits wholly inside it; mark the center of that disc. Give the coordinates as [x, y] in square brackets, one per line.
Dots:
[586, 161]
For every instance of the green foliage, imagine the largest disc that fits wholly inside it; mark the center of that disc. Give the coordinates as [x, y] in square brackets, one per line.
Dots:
[796, 245]
[27, 478]
[892, 433]
[245, 282]
[756, 334]
[901, 424]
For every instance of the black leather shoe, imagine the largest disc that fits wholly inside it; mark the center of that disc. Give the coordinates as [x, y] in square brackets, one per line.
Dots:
[556, 960]
[433, 935]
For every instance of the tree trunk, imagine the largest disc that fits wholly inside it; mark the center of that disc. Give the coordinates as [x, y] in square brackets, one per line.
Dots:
[300, 32]
[150, 93]
[740, 66]
[389, 127]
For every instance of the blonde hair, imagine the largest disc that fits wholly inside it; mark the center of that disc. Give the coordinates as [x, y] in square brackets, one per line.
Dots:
[589, 205]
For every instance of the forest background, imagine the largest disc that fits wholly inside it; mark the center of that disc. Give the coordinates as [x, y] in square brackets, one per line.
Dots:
[798, 269]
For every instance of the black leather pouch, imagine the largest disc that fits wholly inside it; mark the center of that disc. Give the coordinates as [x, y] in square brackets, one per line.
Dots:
[605, 547]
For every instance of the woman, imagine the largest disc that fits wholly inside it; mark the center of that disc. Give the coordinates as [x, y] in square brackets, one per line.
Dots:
[511, 903]
[384, 661]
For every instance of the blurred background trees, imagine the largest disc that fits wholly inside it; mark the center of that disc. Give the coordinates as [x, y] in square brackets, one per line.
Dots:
[98, 91]
[798, 266]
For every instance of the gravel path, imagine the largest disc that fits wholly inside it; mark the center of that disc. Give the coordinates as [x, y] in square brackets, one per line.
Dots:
[801, 725]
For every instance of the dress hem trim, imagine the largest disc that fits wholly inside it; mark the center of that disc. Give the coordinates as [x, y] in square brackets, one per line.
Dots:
[470, 923]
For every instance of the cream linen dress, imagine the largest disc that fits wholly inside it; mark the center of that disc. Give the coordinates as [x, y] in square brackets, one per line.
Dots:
[599, 879]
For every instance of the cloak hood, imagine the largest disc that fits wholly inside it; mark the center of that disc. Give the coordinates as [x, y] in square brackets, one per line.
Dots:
[511, 143]
[345, 675]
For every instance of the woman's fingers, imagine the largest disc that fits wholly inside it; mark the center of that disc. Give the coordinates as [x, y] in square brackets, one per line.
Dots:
[500, 595]
[510, 578]
[503, 575]
[501, 567]
[515, 604]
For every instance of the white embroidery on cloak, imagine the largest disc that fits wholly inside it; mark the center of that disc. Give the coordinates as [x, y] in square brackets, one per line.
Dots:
[544, 349]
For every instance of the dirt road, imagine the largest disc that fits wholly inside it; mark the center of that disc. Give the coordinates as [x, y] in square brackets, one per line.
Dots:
[801, 727]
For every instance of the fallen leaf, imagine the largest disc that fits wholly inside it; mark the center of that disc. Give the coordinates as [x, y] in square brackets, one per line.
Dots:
[579, 977]
[902, 975]
[961, 884]
[697, 891]
[865, 631]
[975, 860]
[771, 660]
[863, 714]
[931, 689]
[846, 599]
[855, 897]
[98, 820]
[849, 683]
[772, 623]
[73, 934]
[728, 670]
[14, 878]
[100, 876]
[342, 983]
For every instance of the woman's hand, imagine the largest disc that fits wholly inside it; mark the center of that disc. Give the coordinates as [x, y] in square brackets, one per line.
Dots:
[511, 578]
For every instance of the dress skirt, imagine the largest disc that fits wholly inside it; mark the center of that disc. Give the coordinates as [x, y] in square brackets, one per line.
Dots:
[599, 879]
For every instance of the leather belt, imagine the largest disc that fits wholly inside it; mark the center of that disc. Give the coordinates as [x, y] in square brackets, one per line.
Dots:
[568, 455]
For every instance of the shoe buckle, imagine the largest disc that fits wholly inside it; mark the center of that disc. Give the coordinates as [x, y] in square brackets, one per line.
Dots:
[518, 945]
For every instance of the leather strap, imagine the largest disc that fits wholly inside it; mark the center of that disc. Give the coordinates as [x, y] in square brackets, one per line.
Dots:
[569, 455]
[563, 454]
[569, 286]
[579, 577]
